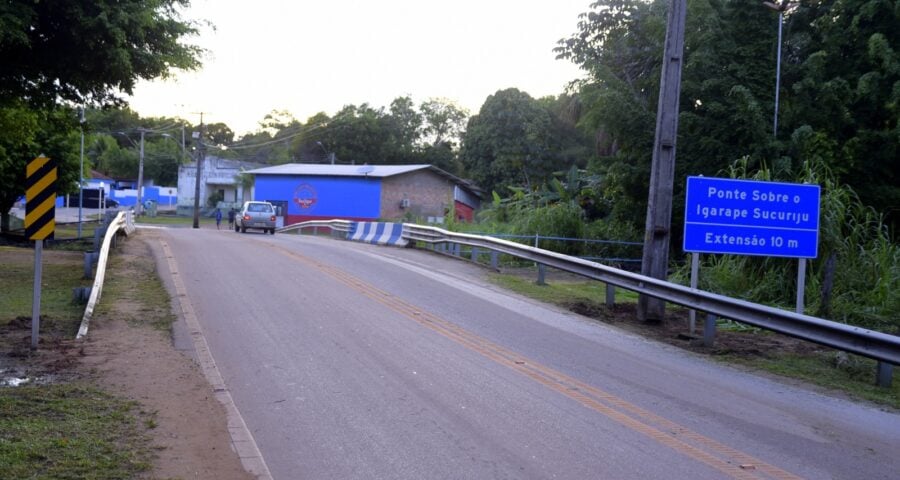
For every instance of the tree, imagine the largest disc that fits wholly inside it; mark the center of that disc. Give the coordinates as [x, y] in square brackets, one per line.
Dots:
[219, 134]
[511, 142]
[444, 121]
[726, 94]
[842, 79]
[27, 133]
[84, 51]
[62, 52]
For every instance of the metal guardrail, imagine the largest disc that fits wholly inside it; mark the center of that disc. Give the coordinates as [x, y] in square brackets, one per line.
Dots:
[868, 343]
[342, 226]
[123, 221]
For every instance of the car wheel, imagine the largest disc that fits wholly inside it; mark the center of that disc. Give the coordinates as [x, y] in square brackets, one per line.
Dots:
[243, 230]
[272, 231]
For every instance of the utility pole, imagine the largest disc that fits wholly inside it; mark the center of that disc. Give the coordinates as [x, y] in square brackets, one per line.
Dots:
[140, 186]
[201, 156]
[657, 235]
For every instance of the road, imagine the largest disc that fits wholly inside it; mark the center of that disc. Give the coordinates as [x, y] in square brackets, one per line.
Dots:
[351, 361]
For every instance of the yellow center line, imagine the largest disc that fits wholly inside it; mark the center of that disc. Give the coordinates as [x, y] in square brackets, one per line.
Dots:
[728, 460]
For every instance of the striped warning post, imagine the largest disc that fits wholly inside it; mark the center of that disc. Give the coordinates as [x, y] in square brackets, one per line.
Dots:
[40, 198]
[380, 233]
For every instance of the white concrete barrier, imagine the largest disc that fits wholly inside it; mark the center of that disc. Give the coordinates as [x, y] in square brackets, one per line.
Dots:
[379, 233]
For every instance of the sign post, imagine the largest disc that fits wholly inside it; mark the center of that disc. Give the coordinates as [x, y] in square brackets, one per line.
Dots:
[40, 222]
[747, 217]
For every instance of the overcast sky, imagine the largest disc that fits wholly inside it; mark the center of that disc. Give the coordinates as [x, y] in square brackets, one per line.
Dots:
[312, 56]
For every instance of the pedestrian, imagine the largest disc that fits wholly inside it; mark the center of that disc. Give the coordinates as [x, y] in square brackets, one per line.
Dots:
[218, 218]
[231, 214]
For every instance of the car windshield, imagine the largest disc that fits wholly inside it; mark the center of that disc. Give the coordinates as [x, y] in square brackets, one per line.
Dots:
[259, 207]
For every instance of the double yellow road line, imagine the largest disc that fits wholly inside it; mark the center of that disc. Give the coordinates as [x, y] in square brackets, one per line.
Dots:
[727, 460]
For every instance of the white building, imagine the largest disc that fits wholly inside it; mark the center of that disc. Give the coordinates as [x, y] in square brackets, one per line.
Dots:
[217, 175]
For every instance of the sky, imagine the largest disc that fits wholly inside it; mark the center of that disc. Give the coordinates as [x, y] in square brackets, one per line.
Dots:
[307, 56]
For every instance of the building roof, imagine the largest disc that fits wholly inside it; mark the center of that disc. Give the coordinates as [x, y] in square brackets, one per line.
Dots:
[377, 171]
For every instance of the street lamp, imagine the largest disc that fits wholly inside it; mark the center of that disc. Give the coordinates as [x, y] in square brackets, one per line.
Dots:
[100, 201]
[140, 181]
[81, 172]
[780, 8]
[330, 155]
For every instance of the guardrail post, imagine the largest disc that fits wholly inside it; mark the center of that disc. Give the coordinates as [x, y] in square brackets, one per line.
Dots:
[709, 330]
[474, 256]
[542, 270]
[884, 375]
[315, 231]
[98, 235]
[610, 295]
[88, 264]
[457, 248]
[81, 295]
[494, 259]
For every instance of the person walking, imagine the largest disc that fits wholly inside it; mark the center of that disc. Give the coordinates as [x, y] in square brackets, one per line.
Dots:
[218, 218]
[231, 214]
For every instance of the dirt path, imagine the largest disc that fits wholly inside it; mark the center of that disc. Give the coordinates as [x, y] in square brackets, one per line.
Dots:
[131, 358]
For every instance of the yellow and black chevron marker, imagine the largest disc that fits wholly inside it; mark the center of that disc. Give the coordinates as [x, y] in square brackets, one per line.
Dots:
[40, 198]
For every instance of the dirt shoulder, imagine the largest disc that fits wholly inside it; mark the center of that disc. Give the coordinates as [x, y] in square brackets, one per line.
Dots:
[129, 353]
[131, 356]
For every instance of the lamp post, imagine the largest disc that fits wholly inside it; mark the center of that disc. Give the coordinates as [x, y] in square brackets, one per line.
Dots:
[140, 180]
[780, 8]
[100, 201]
[329, 155]
[81, 172]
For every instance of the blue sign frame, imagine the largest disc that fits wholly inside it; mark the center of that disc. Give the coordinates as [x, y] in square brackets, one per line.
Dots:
[745, 217]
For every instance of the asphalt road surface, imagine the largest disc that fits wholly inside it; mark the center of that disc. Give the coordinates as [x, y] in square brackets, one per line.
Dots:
[352, 361]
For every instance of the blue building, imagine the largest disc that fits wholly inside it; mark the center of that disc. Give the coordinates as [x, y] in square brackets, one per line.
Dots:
[364, 192]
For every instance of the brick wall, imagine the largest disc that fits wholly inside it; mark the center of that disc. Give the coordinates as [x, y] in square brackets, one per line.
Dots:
[429, 195]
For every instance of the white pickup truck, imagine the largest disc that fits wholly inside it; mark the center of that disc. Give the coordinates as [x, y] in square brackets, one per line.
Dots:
[259, 215]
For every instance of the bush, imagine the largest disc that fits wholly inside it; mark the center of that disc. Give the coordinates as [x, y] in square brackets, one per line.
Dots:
[854, 280]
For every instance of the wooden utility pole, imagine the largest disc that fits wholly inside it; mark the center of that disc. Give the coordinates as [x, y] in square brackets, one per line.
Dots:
[201, 156]
[655, 260]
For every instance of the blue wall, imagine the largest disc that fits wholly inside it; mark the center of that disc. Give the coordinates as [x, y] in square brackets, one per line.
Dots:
[332, 197]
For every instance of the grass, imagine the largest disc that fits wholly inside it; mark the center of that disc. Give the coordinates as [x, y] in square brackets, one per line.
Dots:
[141, 287]
[176, 220]
[69, 431]
[849, 374]
[561, 293]
[853, 375]
[61, 272]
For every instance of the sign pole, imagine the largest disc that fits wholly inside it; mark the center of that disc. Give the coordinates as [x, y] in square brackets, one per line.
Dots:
[36, 301]
[40, 222]
[801, 285]
[695, 273]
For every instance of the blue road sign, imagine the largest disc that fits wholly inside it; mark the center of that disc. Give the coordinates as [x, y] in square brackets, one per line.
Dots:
[751, 218]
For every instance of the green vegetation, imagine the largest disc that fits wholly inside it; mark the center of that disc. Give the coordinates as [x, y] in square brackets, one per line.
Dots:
[141, 288]
[849, 374]
[563, 293]
[846, 373]
[61, 272]
[69, 431]
[175, 220]
[55, 65]
[855, 279]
